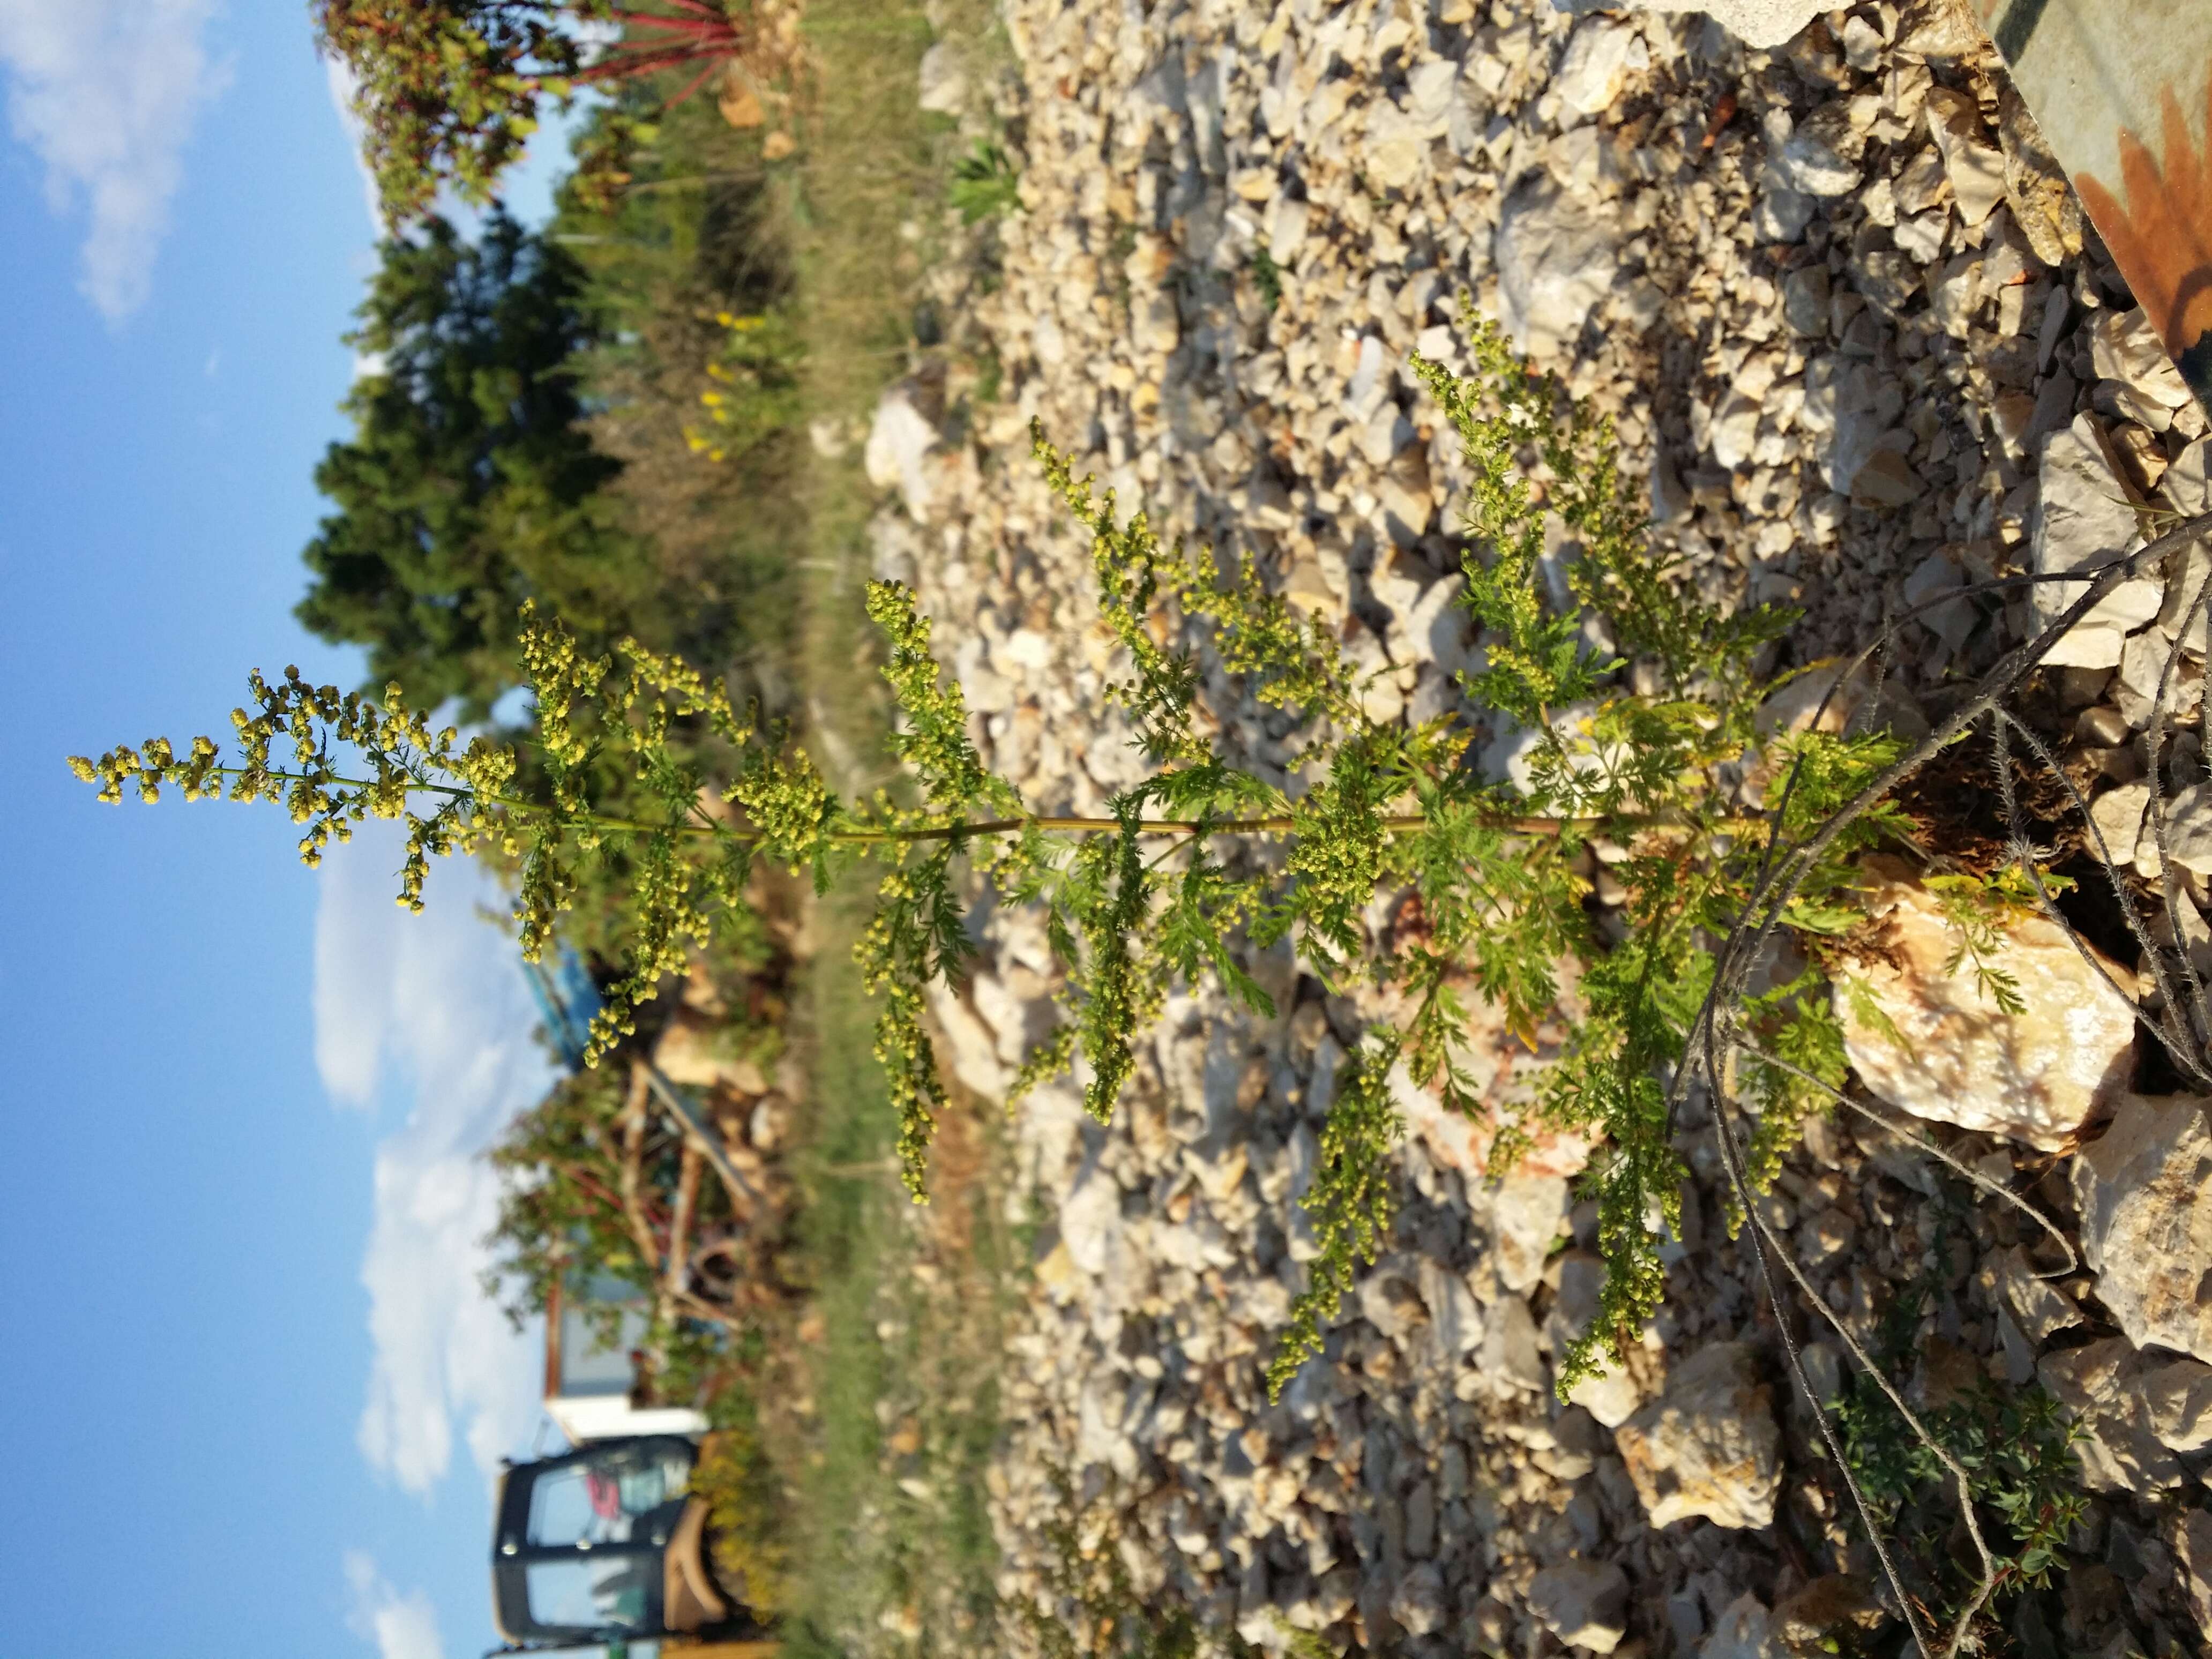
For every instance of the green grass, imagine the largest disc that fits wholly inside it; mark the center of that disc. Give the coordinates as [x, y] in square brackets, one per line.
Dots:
[896, 1553]
[911, 1306]
[834, 241]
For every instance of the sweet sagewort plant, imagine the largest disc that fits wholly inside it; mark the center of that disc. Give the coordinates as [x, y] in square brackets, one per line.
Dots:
[1638, 699]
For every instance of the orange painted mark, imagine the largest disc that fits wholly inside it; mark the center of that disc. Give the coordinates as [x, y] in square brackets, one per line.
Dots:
[2159, 227]
[1723, 113]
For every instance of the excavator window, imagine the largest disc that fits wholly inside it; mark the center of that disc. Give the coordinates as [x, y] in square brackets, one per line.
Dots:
[610, 1592]
[601, 1500]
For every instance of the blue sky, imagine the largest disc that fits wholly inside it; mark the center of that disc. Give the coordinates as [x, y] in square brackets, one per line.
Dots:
[250, 1395]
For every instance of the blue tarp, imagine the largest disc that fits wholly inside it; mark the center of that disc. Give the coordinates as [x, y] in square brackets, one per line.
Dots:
[566, 999]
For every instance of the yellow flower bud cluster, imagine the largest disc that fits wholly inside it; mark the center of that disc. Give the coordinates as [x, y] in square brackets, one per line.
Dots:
[794, 810]
[148, 767]
[392, 749]
[933, 740]
[677, 691]
[562, 677]
[898, 957]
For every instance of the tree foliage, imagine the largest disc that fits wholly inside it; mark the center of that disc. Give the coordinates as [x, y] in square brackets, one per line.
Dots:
[448, 92]
[470, 482]
[561, 1197]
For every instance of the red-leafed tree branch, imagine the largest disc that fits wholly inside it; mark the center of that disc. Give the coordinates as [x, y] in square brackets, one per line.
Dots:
[449, 91]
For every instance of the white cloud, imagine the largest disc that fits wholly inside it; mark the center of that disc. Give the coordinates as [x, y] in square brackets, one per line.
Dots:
[106, 93]
[402, 1626]
[434, 1005]
[342, 86]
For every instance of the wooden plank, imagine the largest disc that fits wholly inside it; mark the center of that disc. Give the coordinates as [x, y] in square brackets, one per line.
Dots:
[679, 1227]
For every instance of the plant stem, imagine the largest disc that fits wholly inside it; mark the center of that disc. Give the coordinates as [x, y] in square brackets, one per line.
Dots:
[1279, 823]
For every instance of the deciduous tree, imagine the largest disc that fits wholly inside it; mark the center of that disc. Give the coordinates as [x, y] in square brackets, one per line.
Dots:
[449, 91]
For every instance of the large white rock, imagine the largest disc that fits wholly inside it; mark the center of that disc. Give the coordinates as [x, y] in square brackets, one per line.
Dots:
[899, 444]
[1975, 166]
[1391, 1297]
[1708, 1446]
[1455, 1326]
[1820, 156]
[1508, 1355]
[2040, 1307]
[2145, 1191]
[1932, 578]
[1596, 66]
[944, 83]
[1754, 22]
[1734, 430]
[2102, 1385]
[2083, 520]
[1617, 1391]
[1527, 1213]
[2124, 347]
[1939, 1046]
[2189, 480]
[1584, 1603]
[1429, 89]
[1090, 1217]
[1287, 230]
[2147, 663]
[1557, 259]
[1397, 148]
[1783, 211]
[1610, 1395]
[2177, 1398]
[2188, 819]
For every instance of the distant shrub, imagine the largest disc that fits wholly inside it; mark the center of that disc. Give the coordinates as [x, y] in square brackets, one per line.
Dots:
[756, 390]
[748, 1519]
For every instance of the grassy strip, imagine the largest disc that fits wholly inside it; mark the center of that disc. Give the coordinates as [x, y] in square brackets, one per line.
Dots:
[895, 1552]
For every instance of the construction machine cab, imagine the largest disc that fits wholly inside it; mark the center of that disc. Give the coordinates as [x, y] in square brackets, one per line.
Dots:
[605, 1545]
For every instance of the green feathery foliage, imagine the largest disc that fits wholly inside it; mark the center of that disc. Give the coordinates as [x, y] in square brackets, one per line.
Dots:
[2015, 1445]
[985, 184]
[1634, 702]
[1267, 277]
